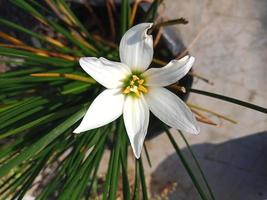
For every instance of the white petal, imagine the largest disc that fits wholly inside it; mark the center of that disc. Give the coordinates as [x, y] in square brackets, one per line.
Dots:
[108, 73]
[171, 73]
[171, 110]
[105, 108]
[136, 47]
[136, 118]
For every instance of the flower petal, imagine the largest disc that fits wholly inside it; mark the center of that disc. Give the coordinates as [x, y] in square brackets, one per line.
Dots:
[136, 47]
[171, 110]
[136, 118]
[108, 73]
[171, 73]
[105, 108]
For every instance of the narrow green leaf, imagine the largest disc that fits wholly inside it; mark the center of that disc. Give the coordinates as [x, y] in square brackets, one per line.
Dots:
[78, 23]
[108, 177]
[198, 165]
[124, 18]
[41, 143]
[116, 166]
[28, 8]
[45, 119]
[186, 165]
[229, 99]
[38, 36]
[143, 179]
[35, 170]
[34, 57]
[152, 11]
[68, 35]
[136, 181]
[147, 155]
[124, 162]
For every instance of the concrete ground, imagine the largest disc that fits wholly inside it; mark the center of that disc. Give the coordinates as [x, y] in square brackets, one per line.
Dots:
[229, 40]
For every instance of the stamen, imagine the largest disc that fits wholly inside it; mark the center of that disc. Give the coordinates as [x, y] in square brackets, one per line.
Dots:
[127, 90]
[132, 82]
[135, 90]
[135, 78]
[142, 88]
[135, 86]
[141, 81]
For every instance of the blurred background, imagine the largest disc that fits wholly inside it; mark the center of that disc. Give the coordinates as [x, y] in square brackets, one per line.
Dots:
[229, 40]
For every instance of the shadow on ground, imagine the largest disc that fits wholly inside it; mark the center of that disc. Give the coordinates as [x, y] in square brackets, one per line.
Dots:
[236, 170]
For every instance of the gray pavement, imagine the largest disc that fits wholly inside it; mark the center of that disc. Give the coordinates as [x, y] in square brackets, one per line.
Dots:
[230, 45]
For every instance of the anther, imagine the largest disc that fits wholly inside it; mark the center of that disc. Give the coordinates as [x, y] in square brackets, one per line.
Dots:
[135, 78]
[142, 88]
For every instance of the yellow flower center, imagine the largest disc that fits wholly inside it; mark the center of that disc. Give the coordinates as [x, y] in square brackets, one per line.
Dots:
[134, 85]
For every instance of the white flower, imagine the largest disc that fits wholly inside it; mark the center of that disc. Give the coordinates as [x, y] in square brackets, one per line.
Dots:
[132, 90]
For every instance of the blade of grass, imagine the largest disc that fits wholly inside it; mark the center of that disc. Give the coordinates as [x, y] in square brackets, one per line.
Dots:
[194, 179]
[124, 162]
[45, 119]
[152, 11]
[76, 42]
[34, 172]
[29, 9]
[116, 166]
[68, 76]
[41, 37]
[143, 179]
[124, 18]
[136, 181]
[10, 38]
[108, 176]
[198, 165]
[147, 155]
[229, 99]
[72, 16]
[41, 143]
[35, 57]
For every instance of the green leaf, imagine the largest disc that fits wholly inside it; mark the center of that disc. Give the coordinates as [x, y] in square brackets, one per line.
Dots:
[28, 8]
[143, 179]
[124, 162]
[136, 181]
[229, 99]
[78, 23]
[37, 58]
[194, 179]
[124, 18]
[68, 35]
[198, 165]
[152, 11]
[39, 121]
[108, 177]
[41, 143]
[116, 166]
[147, 155]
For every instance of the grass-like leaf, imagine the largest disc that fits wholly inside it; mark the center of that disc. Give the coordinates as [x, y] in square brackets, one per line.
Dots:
[41, 143]
[194, 179]
[229, 99]
[198, 165]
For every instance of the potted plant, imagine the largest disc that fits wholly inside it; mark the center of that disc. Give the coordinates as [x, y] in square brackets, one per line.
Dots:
[45, 96]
